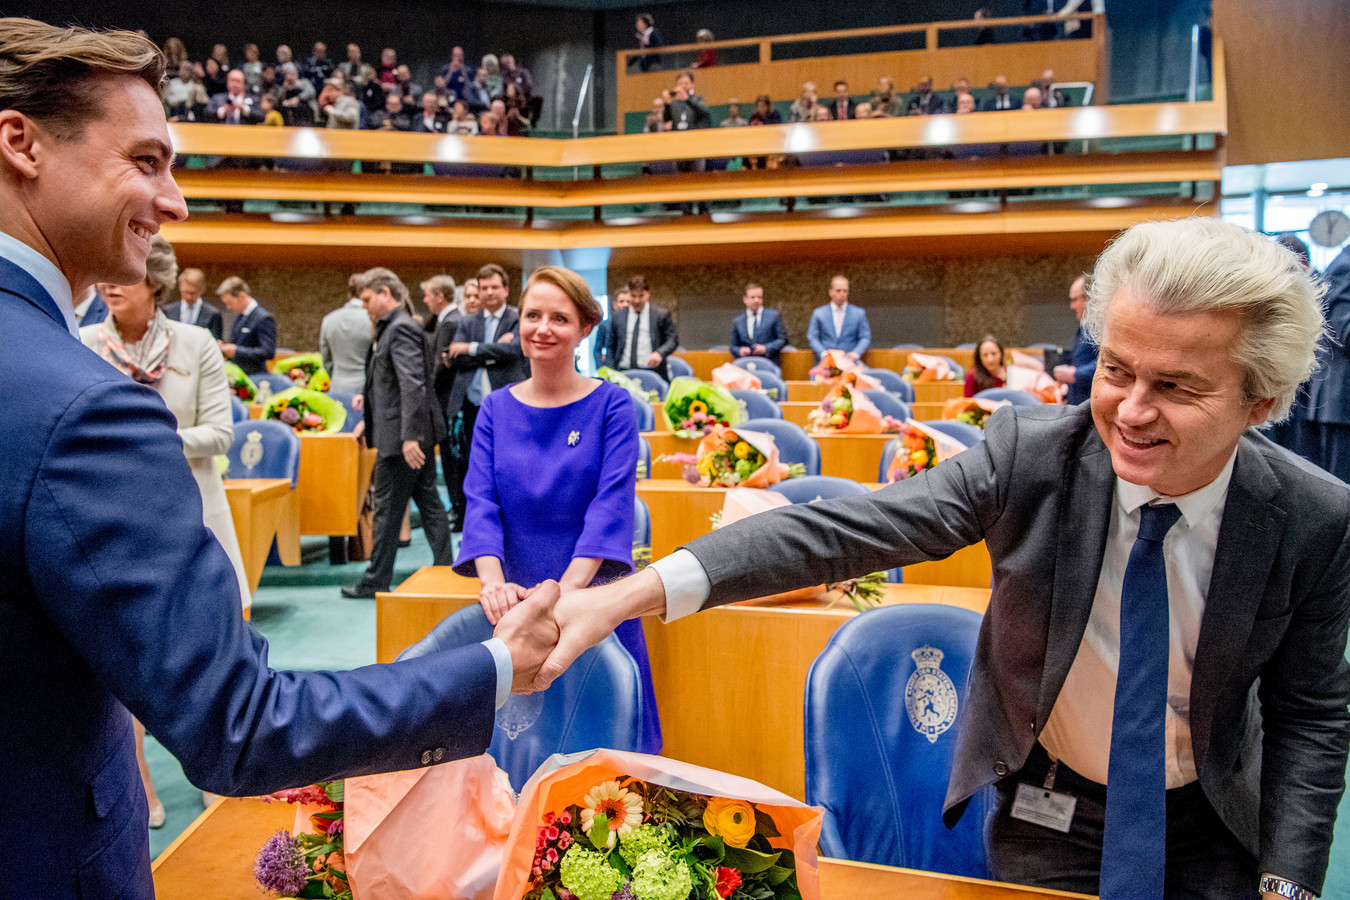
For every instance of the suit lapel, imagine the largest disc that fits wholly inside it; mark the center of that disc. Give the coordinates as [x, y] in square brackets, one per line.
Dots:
[1249, 536]
[18, 282]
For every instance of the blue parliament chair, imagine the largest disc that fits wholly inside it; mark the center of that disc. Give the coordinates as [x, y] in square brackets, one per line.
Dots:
[888, 404]
[677, 367]
[908, 347]
[645, 456]
[1045, 346]
[238, 409]
[597, 702]
[769, 382]
[646, 416]
[649, 380]
[887, 457]
[966, 346]
[265, 448]
[965, 433]
[882, 713]
[757, 405]
[1013, 396]
[757, 364]
[642, 523]
[817, 487]
[794, 444]
[275, 381]
[891, 381]
[353, 416]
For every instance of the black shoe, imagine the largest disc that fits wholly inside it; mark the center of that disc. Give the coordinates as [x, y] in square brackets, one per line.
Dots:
[456, 525]
[357, 592]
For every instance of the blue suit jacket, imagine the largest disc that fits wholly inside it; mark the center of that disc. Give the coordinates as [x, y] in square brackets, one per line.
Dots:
[96, 628]
[857, 336]
[770, 333]
[1329, 389]
[255, 339]
[97, 311]
[1083, 358]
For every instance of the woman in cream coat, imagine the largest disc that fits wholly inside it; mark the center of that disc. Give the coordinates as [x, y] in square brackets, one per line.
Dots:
[182, 363]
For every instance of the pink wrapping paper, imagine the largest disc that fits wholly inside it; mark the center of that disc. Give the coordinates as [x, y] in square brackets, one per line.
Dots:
[428, 834]
[734, 378]
[935, 368]
[771, 472]
[865, 419]
[743, 502]
[553, 791]
[851, 372]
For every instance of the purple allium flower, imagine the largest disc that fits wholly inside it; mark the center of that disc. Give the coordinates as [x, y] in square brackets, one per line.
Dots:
[624, 893]
[290, 416]
[280, 866]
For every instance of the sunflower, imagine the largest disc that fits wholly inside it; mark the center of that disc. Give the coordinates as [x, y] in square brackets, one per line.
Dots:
[698, 406]
[621, 808]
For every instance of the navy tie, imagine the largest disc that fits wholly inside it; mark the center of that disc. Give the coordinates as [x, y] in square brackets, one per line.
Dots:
[1134, 843]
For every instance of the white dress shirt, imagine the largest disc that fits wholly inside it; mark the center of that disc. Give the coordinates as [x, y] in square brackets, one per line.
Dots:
[752, 325]
[837, 310]
[187, 313]
[644, 345]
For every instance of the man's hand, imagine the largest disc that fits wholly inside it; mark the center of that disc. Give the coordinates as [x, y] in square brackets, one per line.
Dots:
[413, 455]
[745, 351]
[457, 348]
[1065, 374]
[498, 599]
[358, 401]
[506, 338]
[761, 350]
[227, 349]
[851, 355]
[530, 634]
[653, 360]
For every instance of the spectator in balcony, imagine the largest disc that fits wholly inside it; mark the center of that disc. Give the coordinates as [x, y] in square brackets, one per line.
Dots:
[213, 77]
[684, 108]
[432, 120]
[965, 103]
[656, 119]
[445, 98]
[338, 108]
[318, 68]
[461, 120]
[235, 106]
[923, 102]
[517, 75]
[351, 68]
[388, 70]
[184, 97]
[221, 54]
[517, 101]
[959, 86]
[864, 111]
[457, 73]
[842, 105]
[707, 56]
[271, 117]
[252, 68]
[988, 370]
[821, 113]
[764, 113]
[803, 108]
[511, 122]
[409, 91]
[268, 84]
[1051, 96]
[175, 54]
[489, 124]
[649, 38]
[493, 80]
[474, 92]
[1031, 98]
[294, 99]
[734, 118]
[284, 55]
[986, 34]
[392, 117]
[885, 99]
[1001, 99]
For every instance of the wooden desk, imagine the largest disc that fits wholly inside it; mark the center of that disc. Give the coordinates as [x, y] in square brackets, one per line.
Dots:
[797, 364]
[334, 475]
[856, 456]
[258, 506]
[214, 857]
[704, 361]
[806, 391]
[409, 612]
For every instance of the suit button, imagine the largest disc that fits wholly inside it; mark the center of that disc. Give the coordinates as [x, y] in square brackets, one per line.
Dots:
[1001, 768]
[426, 757]
[439, 754]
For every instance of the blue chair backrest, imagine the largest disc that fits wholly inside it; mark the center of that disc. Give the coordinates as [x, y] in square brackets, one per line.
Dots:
[353, 416]
[817, 487]
[883, 710]
[597, 702]
[276, 381]
[891, 381]
[887, 457]
[966, 346]
[1013, 396]
[678, 367]
[794, 444]
[646, 416]
[238, 410]
[774, 387]
[757, 405]
[1045, 346]
[642, 523]
[908, 347]
[963, 432]
[265, 448]
[649, 380]
[889, 404]
[645, 456]
[757, 364]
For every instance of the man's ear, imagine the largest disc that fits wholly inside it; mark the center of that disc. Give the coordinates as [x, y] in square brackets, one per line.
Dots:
[19, 142]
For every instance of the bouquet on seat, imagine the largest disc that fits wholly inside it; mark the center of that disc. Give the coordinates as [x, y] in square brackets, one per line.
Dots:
[971, 410]
[846, 410]
[923, 368]
[628, 383]
[304, 370]
[921, 448]
[734, 458]
[734, 378]
[240, 384]
[308, 860]
[1027, 373]
[835, 366]
[694, 408]
[306, 411]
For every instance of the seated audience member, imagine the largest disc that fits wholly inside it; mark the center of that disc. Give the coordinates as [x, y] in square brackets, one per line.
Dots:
[387, 72]
[989, 370]
[734, 118]
[1051, 96]
[461, 121]
[512, 73]
[821, 113]
[489, 124]
[214, 71]
[269, 81]
[965, 103]
[252, 68]
[758, 331]
[839, 325]
[457, 73]
[344, 338]
[351, 67]
[707, 56]
[409, 91]
[803, 108]
[864, 111]
[923, 102]
[445, 98]
[1001, 99]
[175, 54]
[295, 97]
[492, 81]
[272, 118]
[648, 38]
[430, 121]
[841, 107]
[960, 86]
[318, 68]
[883, 93]
[184, 96]
[764, 113]
[474, 92]
[283, 56]
[191, 309]
[337, 107]
[643, 335]
[253, 337]
[518, 101]
[1031, 98]
[516, 125]
[236, 106]
[656, 119]
[392, 117]
[684, 109]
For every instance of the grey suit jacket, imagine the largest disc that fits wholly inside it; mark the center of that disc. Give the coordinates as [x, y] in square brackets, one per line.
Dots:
[344, 339]
[400, 404]
[1270, 685]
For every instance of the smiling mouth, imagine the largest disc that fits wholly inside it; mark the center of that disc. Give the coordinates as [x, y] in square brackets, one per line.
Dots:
[1139, 443]
[141, 231]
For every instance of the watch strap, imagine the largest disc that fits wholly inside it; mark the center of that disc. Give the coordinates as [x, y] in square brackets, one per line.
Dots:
[1284, 888]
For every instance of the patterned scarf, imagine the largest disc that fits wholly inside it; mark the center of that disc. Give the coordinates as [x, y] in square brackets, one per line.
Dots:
[145, 360]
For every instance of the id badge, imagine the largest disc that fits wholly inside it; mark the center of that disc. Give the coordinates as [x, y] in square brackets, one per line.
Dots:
[1042, 806]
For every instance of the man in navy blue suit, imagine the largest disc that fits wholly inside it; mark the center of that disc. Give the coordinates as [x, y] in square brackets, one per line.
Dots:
[1082, 365]
[758, 331]
[114, 598]
[838, 325]
[191, 309]
[253, 337]
[1328, 403]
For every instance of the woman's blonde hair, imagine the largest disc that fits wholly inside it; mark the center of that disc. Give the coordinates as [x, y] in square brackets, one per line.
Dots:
[161, 268]
[1202, 264]
[571, 284]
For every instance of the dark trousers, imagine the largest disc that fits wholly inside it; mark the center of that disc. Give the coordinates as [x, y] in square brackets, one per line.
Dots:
[451, 466]
[1204, 860]
[469, 412]
[392, 486]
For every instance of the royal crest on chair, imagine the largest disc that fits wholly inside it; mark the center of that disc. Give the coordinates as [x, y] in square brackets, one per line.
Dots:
[930, 696]
[252, 452]
[519, 714]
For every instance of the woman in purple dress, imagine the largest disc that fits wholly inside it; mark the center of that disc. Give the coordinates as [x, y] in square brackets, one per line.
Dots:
[553, 472]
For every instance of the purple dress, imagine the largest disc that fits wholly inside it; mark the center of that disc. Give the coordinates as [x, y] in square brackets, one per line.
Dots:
[547, 485]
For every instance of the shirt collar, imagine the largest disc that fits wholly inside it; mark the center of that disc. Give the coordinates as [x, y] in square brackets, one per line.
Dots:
[252, 305]
[445, 311]
[1194, 506]
[45, 273]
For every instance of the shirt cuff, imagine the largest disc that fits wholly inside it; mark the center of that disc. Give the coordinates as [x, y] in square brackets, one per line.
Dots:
[473, 348]
[686, 583]
[505, 671]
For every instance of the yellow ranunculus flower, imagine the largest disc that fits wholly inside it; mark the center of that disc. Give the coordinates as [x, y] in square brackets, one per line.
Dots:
[919, 457]
[742, 450]
[731, 820]
[281, 404]
[705, 465]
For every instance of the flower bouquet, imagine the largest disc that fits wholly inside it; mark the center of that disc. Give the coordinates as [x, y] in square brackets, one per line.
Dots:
[305, 370]
[728, 458]
[922, 368]
[835, 366]
[307, 861]
[971, 410]
[693, 408]
[629, 384]
[846, 410]
[306, 411]
[734, 378]
[240, 384]
[920, 449]
[626, 826]
[1027, 373]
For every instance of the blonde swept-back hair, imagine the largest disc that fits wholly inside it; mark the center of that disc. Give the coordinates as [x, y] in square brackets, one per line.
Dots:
[1202, 264]
[571, 284]
[161, 268]
[441, 284]
[52, 75]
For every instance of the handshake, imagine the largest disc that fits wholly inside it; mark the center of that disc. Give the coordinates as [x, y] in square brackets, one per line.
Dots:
[548, 628]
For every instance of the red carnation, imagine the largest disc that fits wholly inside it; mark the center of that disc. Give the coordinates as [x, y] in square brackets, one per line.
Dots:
[728, 880]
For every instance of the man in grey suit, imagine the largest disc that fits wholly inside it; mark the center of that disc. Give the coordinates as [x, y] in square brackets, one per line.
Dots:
[403, 422]
[1154, 510]
[344, 340]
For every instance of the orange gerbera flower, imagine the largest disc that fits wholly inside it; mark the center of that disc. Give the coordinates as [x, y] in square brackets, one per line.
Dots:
[621, 808]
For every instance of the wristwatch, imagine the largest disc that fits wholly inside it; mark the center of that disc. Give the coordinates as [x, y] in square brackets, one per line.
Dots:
[1283, 888]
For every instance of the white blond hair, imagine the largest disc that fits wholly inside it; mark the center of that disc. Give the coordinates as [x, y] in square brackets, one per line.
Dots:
[1202, 264]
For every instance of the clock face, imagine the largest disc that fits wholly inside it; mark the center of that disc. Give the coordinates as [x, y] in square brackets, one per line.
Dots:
[1330, 228]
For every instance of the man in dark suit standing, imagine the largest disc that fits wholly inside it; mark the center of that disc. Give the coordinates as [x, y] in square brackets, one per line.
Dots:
[486, 356]
[91, 309]
[1078, 372]
[758, 331]
[191, 309]
[642, 336]
[404, 423]
[842, 107]
[1326, 428]
[649, 38]
[438, 293]
[236, 106]
[253, 338]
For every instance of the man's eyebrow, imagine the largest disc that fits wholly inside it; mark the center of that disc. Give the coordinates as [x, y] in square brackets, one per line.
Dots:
[1186, 375]
[155, 147]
